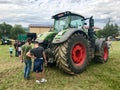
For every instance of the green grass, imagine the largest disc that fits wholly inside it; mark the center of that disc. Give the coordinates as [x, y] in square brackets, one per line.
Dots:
[96, 77]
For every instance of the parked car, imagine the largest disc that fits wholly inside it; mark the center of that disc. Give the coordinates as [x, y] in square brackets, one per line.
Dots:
[5, 41]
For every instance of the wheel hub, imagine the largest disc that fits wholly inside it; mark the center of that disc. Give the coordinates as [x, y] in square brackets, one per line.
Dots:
[78, 53]
[105, 55]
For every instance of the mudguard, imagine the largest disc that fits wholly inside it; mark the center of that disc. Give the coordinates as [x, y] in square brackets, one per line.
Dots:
[65, 34]
[98, 44]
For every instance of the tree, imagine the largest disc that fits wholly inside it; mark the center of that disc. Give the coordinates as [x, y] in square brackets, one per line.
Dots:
[108, 30]
[5, 30]
[16, 30]
[100, 33]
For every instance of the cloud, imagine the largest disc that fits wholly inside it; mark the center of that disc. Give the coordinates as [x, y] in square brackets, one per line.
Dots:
[4, 2]
[40, 11]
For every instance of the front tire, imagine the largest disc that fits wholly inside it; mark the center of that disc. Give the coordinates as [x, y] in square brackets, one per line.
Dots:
[101, 51]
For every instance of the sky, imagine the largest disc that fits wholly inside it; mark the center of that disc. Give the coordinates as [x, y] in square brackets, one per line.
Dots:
[26, 12]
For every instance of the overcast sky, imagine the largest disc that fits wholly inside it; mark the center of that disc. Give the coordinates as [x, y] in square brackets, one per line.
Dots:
[27, 12]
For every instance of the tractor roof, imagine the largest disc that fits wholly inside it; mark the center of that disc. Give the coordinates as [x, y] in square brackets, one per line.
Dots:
[66, 14]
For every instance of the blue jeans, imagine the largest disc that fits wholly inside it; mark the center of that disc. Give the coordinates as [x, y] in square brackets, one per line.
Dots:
[27, 69]
[16, 53]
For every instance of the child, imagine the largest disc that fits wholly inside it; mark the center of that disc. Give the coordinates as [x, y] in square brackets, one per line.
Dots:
[11, 50]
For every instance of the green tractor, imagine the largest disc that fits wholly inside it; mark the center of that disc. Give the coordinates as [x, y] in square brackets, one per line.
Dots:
[70, 46]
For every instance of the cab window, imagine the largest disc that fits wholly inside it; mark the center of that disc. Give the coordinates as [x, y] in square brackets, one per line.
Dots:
[76, 22]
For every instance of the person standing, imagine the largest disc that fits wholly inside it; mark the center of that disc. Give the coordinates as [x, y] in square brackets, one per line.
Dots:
[11, 50]
[16, 48]
[27, 60]
[19, 49]
[39, 56]
[109, 43]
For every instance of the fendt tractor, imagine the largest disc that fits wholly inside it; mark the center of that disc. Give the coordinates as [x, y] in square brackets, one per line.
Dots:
[70, 45]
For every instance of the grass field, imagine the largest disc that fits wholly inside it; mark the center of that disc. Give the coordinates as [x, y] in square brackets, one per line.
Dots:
[96, 77]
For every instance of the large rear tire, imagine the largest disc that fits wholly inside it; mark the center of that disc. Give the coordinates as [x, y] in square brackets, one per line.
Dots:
[101, 51]
[73, 55]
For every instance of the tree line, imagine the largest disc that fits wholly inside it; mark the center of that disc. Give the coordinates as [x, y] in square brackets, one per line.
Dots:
[9, 31]
[109, 30]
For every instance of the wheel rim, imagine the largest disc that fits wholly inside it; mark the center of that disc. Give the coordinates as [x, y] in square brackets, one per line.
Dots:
[78, 54]
[105, 56]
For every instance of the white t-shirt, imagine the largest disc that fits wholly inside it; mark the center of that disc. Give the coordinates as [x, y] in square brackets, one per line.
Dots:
[19, 48]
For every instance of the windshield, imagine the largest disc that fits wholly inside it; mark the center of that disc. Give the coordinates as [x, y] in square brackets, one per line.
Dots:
[61, 24]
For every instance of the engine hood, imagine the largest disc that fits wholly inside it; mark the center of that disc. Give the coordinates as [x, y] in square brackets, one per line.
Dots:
[45, 36]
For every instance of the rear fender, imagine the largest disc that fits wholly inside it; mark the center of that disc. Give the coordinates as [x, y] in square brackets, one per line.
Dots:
[98, 45]
[62, 38]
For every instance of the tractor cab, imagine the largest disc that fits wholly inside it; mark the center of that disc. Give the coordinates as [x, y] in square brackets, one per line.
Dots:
[66, 20]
